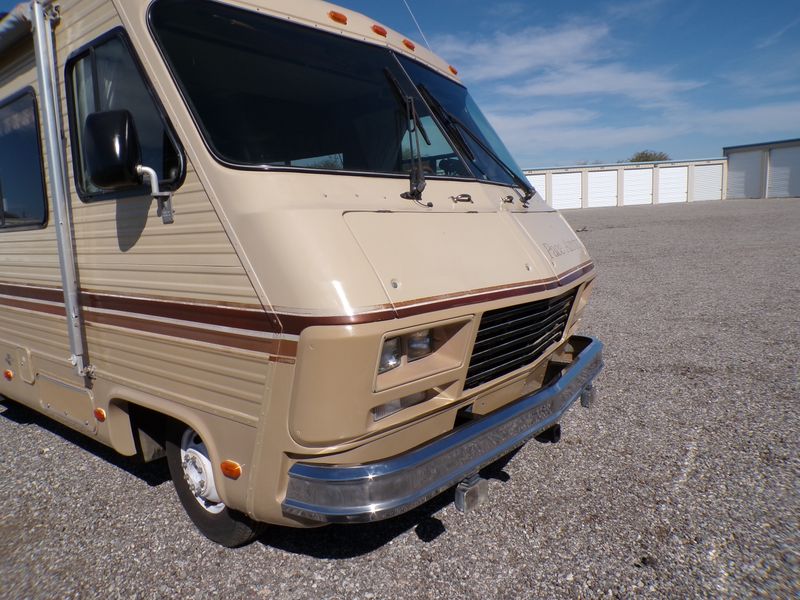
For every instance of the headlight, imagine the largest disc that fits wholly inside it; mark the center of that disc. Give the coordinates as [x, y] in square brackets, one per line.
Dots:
[413, 345]
[388, 409]
[391, 353]
[419, 344]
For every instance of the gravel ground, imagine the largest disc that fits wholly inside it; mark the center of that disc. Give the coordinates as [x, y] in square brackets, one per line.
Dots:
[682, 481]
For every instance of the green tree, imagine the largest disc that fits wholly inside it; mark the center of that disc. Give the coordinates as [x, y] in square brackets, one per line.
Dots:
[648, 156]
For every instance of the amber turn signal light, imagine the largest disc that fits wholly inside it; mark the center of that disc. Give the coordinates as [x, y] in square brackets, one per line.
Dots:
[231, 469]
[100, 414]
[338, 17]
[9, 375]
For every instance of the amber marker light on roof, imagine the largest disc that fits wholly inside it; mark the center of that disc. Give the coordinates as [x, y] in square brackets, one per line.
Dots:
[338, 17]
[380, 30]
[453, 70]
[231, 469]
[100, 414]
[409, 44]
[9, 375]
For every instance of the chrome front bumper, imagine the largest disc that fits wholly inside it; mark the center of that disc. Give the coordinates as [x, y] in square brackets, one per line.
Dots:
[375, 491]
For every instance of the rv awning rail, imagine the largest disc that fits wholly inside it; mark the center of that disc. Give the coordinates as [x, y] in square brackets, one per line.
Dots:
[37, 18]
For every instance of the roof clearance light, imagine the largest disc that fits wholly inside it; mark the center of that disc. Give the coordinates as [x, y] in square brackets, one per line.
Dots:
[231, 469]
[338, 17]
[380, 30]
[453, 70]
[409, 44]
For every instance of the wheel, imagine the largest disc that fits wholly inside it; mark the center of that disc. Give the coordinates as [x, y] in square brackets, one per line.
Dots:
[193, 476]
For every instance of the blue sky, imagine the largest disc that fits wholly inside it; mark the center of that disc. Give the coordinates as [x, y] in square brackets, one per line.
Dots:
[572, 81]
[577, 81]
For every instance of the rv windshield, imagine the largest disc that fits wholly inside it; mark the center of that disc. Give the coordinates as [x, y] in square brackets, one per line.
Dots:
[266, 92]
[455, 104]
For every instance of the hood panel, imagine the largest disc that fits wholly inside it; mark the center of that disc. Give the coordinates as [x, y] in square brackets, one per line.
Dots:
[554, 238]
[425, 255]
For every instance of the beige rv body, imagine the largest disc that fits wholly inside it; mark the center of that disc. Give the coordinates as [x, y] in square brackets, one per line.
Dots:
[258, 317]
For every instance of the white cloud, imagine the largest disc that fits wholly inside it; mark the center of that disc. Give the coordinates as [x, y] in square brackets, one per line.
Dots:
[549, 89]
[506, 9]
[532, 135]
[504, 55]
[775, 37]
[612, 78]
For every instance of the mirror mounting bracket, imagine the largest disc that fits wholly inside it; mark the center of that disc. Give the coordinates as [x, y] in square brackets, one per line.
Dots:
[164, 198]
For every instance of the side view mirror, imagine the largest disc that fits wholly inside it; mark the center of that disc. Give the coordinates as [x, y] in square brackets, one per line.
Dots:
[113, 157]
[111, 150]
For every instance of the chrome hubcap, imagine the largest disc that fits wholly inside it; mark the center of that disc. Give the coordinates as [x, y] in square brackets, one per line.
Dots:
[198, 472]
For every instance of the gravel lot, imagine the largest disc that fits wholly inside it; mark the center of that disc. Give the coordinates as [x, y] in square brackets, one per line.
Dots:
[683, 481]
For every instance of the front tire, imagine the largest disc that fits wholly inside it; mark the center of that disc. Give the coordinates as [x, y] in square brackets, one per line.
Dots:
[191, 470]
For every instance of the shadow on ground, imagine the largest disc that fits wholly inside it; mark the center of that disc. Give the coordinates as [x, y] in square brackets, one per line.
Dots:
[331, 542]
[153, 474]
[350, 541]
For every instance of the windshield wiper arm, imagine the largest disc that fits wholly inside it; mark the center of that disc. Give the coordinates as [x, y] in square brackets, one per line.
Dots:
[447, 120]
[415, 128]
[453, 125]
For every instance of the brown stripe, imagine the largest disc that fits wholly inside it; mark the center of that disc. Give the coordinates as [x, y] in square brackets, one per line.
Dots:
[224, 316]
[45, 308]
[293, 324]
[285, 348]
[181, 331]
[33, 293]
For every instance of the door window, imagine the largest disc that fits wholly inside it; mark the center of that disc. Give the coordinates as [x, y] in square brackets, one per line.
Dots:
[106, 77]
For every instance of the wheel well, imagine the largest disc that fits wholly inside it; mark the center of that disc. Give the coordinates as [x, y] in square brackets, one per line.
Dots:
[150, 430]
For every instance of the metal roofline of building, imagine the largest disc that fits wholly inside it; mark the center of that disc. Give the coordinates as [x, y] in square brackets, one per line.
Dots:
[624, 164]
[761, 144]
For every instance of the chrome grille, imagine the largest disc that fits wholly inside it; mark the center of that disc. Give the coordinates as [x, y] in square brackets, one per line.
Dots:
[512, 337]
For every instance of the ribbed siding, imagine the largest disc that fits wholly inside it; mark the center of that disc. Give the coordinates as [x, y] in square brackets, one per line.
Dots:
[512, 337]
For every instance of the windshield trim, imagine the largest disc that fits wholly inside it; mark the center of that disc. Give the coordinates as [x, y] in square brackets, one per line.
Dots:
[265, 167]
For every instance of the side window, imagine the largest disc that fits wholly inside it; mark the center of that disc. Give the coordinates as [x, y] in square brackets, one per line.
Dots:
[22, 196]
[105, 77]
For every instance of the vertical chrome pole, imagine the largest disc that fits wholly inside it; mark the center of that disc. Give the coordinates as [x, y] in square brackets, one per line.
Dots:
[48, 92]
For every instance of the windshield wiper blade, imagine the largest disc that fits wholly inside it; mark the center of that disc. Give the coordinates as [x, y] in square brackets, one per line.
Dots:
[415, 128]
[447, 120]
[453, 124]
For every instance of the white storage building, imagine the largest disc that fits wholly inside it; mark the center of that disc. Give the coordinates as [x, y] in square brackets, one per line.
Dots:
[630, 183]
[767, 170]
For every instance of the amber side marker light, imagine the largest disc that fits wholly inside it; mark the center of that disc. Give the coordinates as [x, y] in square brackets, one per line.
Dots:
[9, 375]
[380, 30]
[409, 44]
[231, 469]
[338, 17]
[100, 414]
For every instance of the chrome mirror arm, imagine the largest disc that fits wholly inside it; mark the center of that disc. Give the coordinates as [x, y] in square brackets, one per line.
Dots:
[164, 199]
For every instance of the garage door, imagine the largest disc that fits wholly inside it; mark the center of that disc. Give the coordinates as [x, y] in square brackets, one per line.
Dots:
[784, 173]
[672, 184]
[538, 183]
[602, 188]
[744, 174]
[566, 190]
[708, 182]
[637, 186]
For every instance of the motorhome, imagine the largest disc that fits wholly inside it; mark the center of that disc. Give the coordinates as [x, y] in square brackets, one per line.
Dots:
[278, 244]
